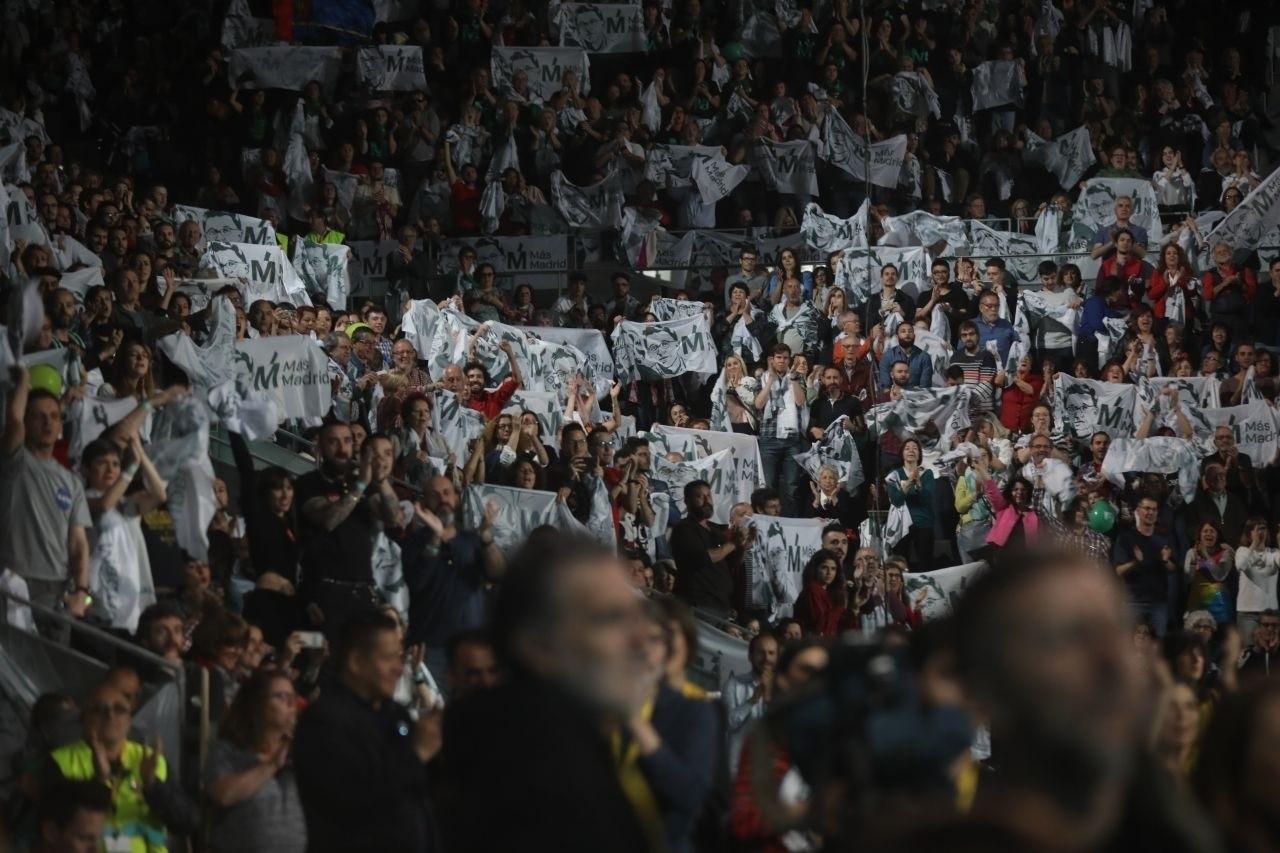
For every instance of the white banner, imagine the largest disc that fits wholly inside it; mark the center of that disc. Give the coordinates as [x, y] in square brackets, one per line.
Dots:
[265, 270]
[830, 233]
[220, 226]
[1082, 407]
[520, 511]
[651, 351]
[787, 167]
[241, 29]
[945, 588]
[782, 548]
[546, 407]
[1017, 249]
[1095, 208]
[714, 469]
[391, 68]
[908, 416]
[913, 94]
[1246, 225]
[545, 67]
[324, 269]
[291, 369]
[842, 148]
[369, 265]
[598, 367]
[996, 83]
[456, 424]
[1067, 158]
[1254, 425]
[533, 259]
[1156, 455]
[289, 67]
[715, 178]
[93, 416]
[836, 449]
[859, 269]
[601, 27]
[596, 207]
[744, 470]
[1194, 393]
[921, 228]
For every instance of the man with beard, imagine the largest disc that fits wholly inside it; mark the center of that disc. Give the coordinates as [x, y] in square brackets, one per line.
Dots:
[528, 763]
[479, 397]
[60, 308]
[700, 549]
[448, 570]
[1045, 654]
[1260, 659]
[342, 506]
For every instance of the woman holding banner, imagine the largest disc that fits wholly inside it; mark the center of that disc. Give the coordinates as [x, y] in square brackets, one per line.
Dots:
[912, 486]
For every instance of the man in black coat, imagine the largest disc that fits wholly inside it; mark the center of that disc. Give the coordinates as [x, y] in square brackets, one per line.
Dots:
[360, 759]
[527, 764]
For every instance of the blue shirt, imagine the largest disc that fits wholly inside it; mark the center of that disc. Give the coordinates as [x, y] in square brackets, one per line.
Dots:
[806, 285]
[918, 361]
[1093, 312]
[1001, 331]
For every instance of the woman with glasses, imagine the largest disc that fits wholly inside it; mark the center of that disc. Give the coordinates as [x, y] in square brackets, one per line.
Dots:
[249, 779]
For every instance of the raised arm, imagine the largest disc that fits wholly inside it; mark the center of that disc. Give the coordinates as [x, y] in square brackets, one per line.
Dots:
[15, 430]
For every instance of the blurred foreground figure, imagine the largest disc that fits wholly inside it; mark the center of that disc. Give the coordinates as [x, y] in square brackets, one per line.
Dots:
[529, 762]
[1046, 659]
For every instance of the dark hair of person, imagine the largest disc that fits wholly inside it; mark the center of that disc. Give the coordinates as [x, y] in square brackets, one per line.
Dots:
[527, 601]
[678, 614]
[242, 725]
[360, 632]
[61, 800]
[156, 612]
[470, 637]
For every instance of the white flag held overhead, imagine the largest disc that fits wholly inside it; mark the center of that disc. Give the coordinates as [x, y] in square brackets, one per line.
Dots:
[1067, 158]
[664, 350]
[391, 68]
[828, 233]
[996, 83]
[1258, 214]
[787, 167]
[921, 228]
[716, 178]
[841, 147]
[596, 207]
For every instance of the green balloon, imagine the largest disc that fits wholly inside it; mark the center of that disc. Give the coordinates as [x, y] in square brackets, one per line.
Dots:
[733, 51]
[46, 377]
[1102, 517]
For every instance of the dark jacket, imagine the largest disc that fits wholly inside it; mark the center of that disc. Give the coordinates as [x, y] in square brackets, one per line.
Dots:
[528, 768]
[361, 784]
[1230, 521]
[680, 772]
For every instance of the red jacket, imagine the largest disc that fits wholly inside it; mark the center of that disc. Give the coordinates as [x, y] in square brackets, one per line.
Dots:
[1016, 404]
[1158, 289]
[817, 613]
[491, 403]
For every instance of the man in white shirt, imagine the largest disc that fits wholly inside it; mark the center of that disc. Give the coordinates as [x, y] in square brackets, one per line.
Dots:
[746, 695]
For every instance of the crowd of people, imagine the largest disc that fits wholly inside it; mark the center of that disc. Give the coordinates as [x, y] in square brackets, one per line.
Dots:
[1031, 602]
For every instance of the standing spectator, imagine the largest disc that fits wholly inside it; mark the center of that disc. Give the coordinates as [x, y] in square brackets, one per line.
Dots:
[1143, 559]
[410, 270]
[43, 509]
[1228, 292]
[918, 361]
[912, 486]
[249, 778]
[700, 550]
[360, 759]
[780, 401]
[821, 607]
[992, 327]
[339, 521]
[981, 374]
[1258, 561]
[746, 695]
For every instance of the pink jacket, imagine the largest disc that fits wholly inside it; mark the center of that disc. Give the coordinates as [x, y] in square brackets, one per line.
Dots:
[1007, 518]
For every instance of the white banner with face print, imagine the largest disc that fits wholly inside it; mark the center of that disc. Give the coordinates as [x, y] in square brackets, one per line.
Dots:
[545, 67]
[945, 588]
[391, 68]
[539, 261]
[1252, 219]
[783, 546]
[265, 270]
[456, 424]
[996, 83]
[841, 147]
[546, 407]
[836, 449]
[1018, 250]
[601, 27]
[93, 416]
[520, 511]
[1156, 455]
[921, 228]
[1082, 407]
[651, 351]
[665, 308]
[1096, 208]
[744, 467]
[916, 409]
[241, 29]
[1254, 426]
[289, 67]
[672, 165]
[324, 269]
[598, 367]
[1194, 393]
[714, 469]
[787, 167]
[220, 226]
[715, 178]
[595, 207]
[292, 370]
[1067, 158]
[858, 272]
[913, 94]
[828, 233]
